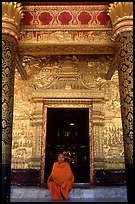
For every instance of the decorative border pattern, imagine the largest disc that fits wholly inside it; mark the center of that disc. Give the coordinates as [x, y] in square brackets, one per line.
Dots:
[65, 37]
[43, 143]
[91, 145]
[125, 70]
[65, 17]
[8, 68]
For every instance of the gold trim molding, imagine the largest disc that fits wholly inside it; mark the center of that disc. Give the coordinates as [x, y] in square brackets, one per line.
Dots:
[67, 49]
[12, 13]
[68, 101]
[66, 37]
[121, 14]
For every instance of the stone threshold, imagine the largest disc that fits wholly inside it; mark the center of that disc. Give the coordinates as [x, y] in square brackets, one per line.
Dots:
[103, 192]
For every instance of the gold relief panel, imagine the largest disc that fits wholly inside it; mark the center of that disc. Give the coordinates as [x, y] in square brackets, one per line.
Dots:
[109, 147]
[27, 127]
[26, 147]
[112, 102]
[69, 42]
[22, 144]
[58, 93]
[103, 164]
[113, 143]
[115, 165]
[98, 142]
[69, 73]
[108, 134]
[65, 37]
[36, 124]
[24, 137]
[22, 92]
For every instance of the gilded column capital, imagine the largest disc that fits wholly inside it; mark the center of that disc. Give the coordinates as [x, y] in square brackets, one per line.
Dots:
[12, 13]
[121, 14]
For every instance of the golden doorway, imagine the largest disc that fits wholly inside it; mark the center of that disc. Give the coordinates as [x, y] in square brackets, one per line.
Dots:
[67, 131]
[68, 128]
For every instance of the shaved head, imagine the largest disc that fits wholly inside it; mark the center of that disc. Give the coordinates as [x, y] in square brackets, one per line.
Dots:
[61, 157]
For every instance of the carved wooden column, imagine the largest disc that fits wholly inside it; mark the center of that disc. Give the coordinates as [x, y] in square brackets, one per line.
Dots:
[11, 16]
[121, 14]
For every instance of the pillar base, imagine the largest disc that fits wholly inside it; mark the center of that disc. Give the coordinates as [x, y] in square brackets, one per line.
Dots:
[129, 173]
[6, 182]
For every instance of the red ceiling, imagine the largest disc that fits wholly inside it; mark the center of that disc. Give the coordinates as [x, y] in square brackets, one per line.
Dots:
[64, 3]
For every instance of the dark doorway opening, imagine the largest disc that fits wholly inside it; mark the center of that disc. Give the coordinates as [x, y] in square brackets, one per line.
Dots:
[68, 132]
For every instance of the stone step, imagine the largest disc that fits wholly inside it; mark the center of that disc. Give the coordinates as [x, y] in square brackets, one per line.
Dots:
[97, 192]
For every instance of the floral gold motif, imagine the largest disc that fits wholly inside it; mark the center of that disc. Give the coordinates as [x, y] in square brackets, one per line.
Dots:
[12, 13]
[121, 14]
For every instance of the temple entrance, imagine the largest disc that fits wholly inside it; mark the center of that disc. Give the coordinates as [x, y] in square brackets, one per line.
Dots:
[68, 132]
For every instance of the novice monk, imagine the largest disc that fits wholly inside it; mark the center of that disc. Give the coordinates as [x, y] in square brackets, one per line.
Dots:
[61, 179]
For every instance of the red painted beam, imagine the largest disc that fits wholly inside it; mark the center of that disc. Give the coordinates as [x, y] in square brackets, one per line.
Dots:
[63, 3]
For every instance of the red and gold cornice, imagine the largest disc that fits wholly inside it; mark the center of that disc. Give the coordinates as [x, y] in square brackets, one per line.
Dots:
[63, 3]
[69, 17]
[121, 14]
[47, 29]
[12, 13]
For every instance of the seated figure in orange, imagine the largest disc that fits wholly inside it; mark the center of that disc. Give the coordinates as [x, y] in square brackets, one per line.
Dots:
[61, 179]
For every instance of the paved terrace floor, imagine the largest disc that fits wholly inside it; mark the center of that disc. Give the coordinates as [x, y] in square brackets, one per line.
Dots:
[77, 194]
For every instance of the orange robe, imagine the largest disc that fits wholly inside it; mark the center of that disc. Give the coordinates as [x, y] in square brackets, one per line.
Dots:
[62, 180]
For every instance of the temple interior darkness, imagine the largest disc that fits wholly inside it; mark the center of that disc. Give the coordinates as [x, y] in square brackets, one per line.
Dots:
[70, 134]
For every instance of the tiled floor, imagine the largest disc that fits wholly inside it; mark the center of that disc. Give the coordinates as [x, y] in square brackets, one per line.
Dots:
[71, 200]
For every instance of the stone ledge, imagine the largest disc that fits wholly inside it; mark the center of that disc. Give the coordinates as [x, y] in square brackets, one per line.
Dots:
[97, 192]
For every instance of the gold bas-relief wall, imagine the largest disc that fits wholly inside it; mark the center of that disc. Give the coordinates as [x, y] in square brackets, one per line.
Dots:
[108, 134]
[79, 76]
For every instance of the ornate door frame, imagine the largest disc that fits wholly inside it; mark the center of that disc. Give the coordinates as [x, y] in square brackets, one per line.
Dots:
[67, 103]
